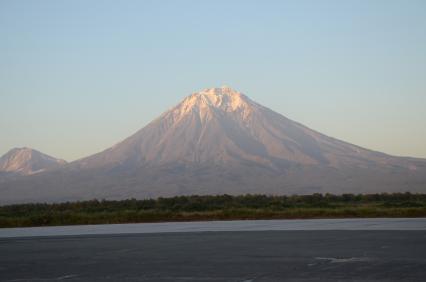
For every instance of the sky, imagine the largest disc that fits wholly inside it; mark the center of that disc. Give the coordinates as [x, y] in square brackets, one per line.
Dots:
[77, 77]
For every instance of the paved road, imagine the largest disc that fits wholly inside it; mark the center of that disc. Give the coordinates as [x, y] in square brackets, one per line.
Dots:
[237, 225]
[218, 256]
[290, 255]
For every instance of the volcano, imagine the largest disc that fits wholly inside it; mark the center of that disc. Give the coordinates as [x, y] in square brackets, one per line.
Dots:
[27, 161]
[218, 141]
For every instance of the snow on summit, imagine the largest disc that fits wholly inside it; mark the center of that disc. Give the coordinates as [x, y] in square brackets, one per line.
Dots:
[208, 100]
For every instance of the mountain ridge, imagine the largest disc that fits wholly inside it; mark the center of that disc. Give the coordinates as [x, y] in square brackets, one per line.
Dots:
[218, 141]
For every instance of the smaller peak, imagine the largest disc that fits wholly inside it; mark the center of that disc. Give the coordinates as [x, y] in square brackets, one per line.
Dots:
[26, 161]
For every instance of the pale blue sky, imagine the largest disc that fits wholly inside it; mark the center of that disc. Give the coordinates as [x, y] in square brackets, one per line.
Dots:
[78, 76]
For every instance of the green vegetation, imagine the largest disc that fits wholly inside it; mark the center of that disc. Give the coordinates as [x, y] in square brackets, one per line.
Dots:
[223, 207]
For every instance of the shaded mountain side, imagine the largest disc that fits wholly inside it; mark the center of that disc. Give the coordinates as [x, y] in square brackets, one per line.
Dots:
[152, 182]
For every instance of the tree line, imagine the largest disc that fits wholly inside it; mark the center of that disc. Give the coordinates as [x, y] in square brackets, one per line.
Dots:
[214, 207]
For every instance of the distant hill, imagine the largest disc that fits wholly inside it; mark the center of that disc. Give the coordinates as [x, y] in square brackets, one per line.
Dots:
[219, 141]
[27, 161]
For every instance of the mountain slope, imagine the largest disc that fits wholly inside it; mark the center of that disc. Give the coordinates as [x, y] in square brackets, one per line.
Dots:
[26, 161]
[222, 126]
[219, 141]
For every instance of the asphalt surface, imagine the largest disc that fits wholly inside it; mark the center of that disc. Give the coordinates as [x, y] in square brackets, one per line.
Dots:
[236, 225]
[310, 255]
